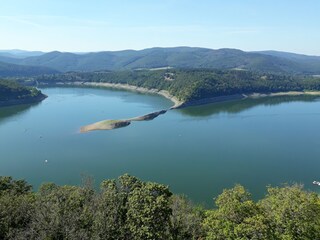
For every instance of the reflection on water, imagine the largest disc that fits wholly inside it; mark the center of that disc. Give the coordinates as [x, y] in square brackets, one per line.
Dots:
[242, 105]
[269, 143]
[13, 111]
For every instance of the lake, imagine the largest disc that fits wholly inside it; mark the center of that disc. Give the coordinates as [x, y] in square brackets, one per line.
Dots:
[197, 151]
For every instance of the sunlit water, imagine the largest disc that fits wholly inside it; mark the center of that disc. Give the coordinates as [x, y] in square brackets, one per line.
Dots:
[197, 151]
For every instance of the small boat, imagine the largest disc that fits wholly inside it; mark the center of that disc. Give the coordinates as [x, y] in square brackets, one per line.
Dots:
[316, 183]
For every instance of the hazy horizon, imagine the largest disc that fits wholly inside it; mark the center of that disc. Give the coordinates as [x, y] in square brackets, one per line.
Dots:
[79, 52]
[82, 26]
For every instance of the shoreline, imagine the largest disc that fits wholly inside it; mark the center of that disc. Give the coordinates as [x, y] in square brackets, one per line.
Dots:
[110, 124]
[132, 88]
[15, 102]
[218, 99]
[281, 94]
[235, 97]
[177, 104]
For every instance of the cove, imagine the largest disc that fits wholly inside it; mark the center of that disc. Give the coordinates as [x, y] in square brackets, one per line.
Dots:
[197, 151]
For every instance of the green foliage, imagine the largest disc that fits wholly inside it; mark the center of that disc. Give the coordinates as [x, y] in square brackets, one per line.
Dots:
[131, 209]
[14, 187]
[128, 208]
[287, 213]
[186, 219]
[293, 213]
[16, 214]
[16, 207]
[237, 217]
[194, 84]
[15, 70]
[11, 90]
[110, 220]
[178, 57]
[148, 212]
[63, 213]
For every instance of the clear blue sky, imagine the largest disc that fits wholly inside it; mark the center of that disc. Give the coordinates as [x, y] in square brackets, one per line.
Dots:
[95, 25]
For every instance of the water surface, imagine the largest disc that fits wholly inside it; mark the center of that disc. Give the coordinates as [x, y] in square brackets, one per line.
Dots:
[198, 151]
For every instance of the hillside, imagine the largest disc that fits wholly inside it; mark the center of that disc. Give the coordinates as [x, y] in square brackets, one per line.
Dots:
[17, 53]
[178, 57]
[12, 93]
[291, 56]
[308, 63]
[191, 85]
[14, 70]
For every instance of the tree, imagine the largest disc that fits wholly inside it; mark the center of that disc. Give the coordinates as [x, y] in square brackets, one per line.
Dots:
[293, 213]
[149, 211]
[64, 212]
[186, 219]
[16, 208]
[111, 217]
[16, 212]
[236, 217]
[15, 187]
[128, 208]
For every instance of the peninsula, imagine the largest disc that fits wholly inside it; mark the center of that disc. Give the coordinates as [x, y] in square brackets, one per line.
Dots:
[187, 87]
[113, 124]
[174, 73]
[12, 93]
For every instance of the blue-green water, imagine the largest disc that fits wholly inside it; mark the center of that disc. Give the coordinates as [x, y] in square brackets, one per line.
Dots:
[197, 151]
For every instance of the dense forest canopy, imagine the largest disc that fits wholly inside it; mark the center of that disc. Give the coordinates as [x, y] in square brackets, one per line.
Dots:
[194, 84]
[128, 208]
[11, 90]
[15, 70]
[177, 57]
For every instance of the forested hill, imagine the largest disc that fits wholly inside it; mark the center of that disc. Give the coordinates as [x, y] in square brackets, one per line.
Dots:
[17, 53]
[12, 93]
[177, 57]
[194, 84]
[14, 70]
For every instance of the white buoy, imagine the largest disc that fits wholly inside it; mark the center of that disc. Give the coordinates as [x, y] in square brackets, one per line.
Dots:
[316, 183]
[46, 161]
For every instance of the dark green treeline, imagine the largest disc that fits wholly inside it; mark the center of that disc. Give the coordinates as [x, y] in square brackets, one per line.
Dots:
[192, 84]
[11, 90]
[128, 208]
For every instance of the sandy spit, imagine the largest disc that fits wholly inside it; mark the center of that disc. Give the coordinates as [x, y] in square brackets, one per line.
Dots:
[105, 125]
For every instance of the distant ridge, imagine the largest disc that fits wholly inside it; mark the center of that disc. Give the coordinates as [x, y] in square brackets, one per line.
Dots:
[289, 55]
[177, 57]
[14, 70]
[17, 53]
